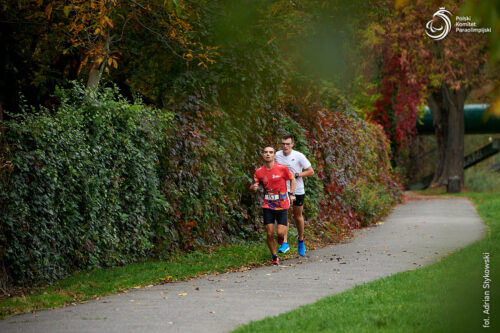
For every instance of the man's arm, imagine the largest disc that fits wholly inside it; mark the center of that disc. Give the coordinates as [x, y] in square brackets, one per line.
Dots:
[255, 184]
[292, 184]
[307, 172]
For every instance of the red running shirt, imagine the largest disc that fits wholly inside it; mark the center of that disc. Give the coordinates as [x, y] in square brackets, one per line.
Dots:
[274, 181]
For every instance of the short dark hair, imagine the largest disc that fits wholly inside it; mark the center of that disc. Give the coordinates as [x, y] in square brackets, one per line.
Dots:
[268, 146]
[287, 136]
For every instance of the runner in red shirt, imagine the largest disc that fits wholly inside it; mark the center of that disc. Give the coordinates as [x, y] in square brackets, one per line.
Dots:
[276, 200]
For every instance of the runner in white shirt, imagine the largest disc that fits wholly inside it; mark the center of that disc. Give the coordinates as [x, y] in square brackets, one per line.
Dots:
[300, 166]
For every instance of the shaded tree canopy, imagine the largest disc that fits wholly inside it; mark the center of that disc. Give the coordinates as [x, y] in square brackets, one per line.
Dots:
[416, 69]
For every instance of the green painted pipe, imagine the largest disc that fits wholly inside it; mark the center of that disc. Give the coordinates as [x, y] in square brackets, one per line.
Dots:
[474, 121]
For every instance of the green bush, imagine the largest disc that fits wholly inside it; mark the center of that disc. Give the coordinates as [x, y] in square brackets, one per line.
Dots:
[351, 158]
[79, 185]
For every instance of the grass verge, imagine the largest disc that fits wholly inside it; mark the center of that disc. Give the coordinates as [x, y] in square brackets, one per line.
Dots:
[445, 297]
[84, 286]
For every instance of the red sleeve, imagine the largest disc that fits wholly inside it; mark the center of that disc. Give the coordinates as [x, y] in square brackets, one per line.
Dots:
[255, 177]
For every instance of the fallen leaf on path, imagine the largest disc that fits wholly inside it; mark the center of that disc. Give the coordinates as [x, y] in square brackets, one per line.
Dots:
[165, 297]
[220, 290]
[212, 312]
[183, 294]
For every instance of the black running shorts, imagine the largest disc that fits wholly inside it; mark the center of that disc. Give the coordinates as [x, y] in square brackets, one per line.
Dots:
[299, 200]
[279, 215]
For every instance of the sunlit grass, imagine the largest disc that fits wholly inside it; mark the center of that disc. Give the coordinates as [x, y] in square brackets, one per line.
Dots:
[445, 297]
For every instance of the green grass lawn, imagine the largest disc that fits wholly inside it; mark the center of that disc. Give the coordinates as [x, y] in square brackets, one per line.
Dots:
[445, 297]
[100, 282]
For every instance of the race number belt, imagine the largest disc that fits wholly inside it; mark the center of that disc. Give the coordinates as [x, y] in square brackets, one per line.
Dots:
[272, 197]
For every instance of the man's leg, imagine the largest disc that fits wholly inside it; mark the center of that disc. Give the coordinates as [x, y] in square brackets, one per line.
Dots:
[281, 231]
[285, 240]
[299, 221]
[285, 237]
[282, 236]
[270, 238]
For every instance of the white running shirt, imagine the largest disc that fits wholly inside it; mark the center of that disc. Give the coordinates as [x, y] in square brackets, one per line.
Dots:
[296, 162]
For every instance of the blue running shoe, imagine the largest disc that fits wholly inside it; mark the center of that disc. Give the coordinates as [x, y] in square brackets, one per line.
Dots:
[284, 248]
[302, 247]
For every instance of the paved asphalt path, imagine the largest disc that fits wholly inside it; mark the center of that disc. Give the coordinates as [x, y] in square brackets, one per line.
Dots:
[415, 234]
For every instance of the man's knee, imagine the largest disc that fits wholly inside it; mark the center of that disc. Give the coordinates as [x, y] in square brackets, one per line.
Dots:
[270, 233]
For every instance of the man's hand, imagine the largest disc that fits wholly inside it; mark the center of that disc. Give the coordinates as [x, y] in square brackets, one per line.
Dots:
[292, 198]
[254, 187]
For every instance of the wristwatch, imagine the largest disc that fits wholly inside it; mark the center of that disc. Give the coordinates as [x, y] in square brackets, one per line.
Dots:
[296, 175]
[290, 193]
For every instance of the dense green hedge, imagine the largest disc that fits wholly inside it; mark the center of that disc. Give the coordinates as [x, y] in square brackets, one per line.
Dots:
[99, 181]
[79, 186]
[213, 152]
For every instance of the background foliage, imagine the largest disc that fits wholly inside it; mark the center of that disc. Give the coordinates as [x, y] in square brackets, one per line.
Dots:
[81, 189]
[117, 181]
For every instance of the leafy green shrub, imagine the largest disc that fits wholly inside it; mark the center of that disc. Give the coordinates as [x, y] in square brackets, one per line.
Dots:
[351, 159]
[81, 186]
[211, 156]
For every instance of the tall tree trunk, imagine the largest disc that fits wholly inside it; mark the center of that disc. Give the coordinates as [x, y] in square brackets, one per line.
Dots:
[96, 69]
[95, 76]
[447, 108]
